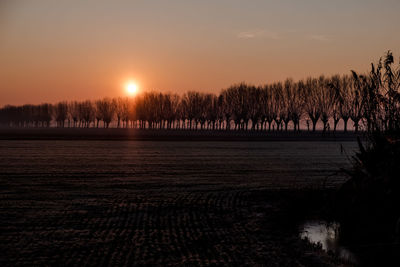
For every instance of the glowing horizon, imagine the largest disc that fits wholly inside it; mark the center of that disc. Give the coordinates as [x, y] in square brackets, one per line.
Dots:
[74, 50]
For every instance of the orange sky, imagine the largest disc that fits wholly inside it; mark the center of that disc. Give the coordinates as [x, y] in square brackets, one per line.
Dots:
[75, 50]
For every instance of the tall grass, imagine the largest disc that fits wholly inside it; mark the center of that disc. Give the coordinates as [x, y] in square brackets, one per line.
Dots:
[369, 202]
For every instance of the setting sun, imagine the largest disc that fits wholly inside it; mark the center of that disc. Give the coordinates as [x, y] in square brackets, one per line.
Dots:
[131, 88]
[194, 132]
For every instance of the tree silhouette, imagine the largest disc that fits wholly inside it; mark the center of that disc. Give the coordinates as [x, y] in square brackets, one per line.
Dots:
[61, 113]
[296, 104]
[373, 98]
[105, 111]
[312, 103]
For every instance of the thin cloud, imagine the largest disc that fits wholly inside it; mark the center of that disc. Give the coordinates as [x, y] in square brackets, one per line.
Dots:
[258, 34]
[246, 35]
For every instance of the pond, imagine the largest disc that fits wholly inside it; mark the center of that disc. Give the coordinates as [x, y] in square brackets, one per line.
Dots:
[326, 234]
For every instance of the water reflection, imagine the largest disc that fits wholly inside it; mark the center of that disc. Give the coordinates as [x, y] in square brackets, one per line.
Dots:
[327, 235]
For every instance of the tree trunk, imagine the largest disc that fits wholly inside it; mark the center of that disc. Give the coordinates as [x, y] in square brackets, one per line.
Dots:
[335, 123]
[356, 125]
[314, 122]
[325, 122]
[345, 120]
[286, 125]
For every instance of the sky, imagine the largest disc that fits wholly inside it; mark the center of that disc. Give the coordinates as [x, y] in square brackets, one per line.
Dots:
[88, 49]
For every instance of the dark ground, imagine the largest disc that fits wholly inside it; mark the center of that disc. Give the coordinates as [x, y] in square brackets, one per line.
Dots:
[52, 214]
[167, 135]
[135, 227]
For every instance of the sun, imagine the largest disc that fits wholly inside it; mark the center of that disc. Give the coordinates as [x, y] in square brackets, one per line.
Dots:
[131, 88]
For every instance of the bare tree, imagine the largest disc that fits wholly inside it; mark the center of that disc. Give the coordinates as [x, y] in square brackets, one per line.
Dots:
[326, 98]
[254, 106]
[121, 109]
[290, 103]
[278, 110]
[192, 102]
[74, 113]
[105, 110]
[269, 111]
[87, 113]
[227, 107]
[98, 112]
[45, 114]
[238, 99]
[61, 113]
[312, 101]
[373, 98]
[345, 100]
[295, 100]
[336, 85]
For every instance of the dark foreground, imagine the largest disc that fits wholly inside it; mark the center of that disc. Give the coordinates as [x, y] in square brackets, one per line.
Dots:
[162, 203]
[168, 135]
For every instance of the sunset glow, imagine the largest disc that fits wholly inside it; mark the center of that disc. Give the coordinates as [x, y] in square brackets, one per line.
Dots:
[131, 88]
[181, 132]
[169, 46]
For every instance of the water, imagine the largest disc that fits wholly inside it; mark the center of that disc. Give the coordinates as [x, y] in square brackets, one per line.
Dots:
[192, 164]
[327, 235]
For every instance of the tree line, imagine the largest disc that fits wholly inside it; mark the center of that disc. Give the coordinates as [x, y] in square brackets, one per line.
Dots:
[370, 99]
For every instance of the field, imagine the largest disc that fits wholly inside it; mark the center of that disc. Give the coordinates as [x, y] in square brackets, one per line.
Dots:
[124, 134]
[91, 202]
